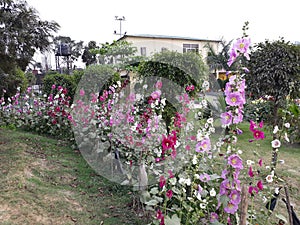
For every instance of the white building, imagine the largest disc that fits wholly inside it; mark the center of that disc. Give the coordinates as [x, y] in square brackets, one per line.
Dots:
[147, 44]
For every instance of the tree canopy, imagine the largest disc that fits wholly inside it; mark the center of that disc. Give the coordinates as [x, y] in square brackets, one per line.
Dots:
[22, 33]
[274, 71]
[274, 67]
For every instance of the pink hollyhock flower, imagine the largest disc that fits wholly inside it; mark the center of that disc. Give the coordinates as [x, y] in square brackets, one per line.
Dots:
[238, 118]
[250, 172]
[234, 99]
[203, 146]
[53, 87]
[242, 45]
[158, 85]
[81, 92]
[204, 177]
[235, 161]
[169, 193]
[231, 208]
[260, 185]
[162, 181]
[156, 94]
[233, 55]
[258, 134]
[235, 197]
[214, 217]
[226, 118]
[224, 173]
[225, 186]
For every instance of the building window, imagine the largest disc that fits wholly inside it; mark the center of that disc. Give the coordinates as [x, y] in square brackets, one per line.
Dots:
[143, 51]
[190, 48]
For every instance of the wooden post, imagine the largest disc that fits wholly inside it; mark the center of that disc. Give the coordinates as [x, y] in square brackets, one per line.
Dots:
[288, 204]
[244, 205]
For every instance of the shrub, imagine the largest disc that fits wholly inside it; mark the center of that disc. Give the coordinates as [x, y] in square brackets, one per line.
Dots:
[260, 109]
[10, 82]
[63, 80]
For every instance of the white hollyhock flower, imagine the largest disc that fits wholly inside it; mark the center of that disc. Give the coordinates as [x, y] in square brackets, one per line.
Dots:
[276, 129]
[276, 143]
[269, 178]
[287, 125]
[210, 120]
[286, 138]
[212, 192]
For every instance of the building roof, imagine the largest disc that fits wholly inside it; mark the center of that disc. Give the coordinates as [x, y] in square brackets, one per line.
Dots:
[167, 37]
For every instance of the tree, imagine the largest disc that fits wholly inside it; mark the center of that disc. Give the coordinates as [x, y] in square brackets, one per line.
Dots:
[22, 33]
[218, 60]
[274, 71]
[121, 54]
[89, 57]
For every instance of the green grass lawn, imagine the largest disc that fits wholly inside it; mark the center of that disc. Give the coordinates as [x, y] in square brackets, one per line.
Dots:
[44, 181]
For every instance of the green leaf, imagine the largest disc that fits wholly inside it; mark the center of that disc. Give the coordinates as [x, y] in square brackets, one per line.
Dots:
[172, 221]
[281, 217]
[152, 202]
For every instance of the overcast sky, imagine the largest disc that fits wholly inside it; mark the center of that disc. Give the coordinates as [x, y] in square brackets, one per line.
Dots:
[95, 19]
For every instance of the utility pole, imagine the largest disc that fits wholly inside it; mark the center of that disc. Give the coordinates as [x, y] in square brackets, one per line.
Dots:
[121, 19]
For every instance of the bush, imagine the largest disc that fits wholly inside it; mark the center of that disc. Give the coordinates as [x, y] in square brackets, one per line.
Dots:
[260, 109]
[10, 82]
[63, 80]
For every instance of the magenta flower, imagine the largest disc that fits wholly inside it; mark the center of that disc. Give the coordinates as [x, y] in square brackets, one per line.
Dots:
[234, 99]
[226, 118]
[235, 197]
[260, 185]
[258, 134]
[235, 161]
[252, 126]
[260, 162]
[214, 217]
[250, 172]
[53, 87]
[231, 208]
[81, 92]
[171, 175]
[166, 143]
[251, 189]
[159, 214]
[162, 181]
[169, 193]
